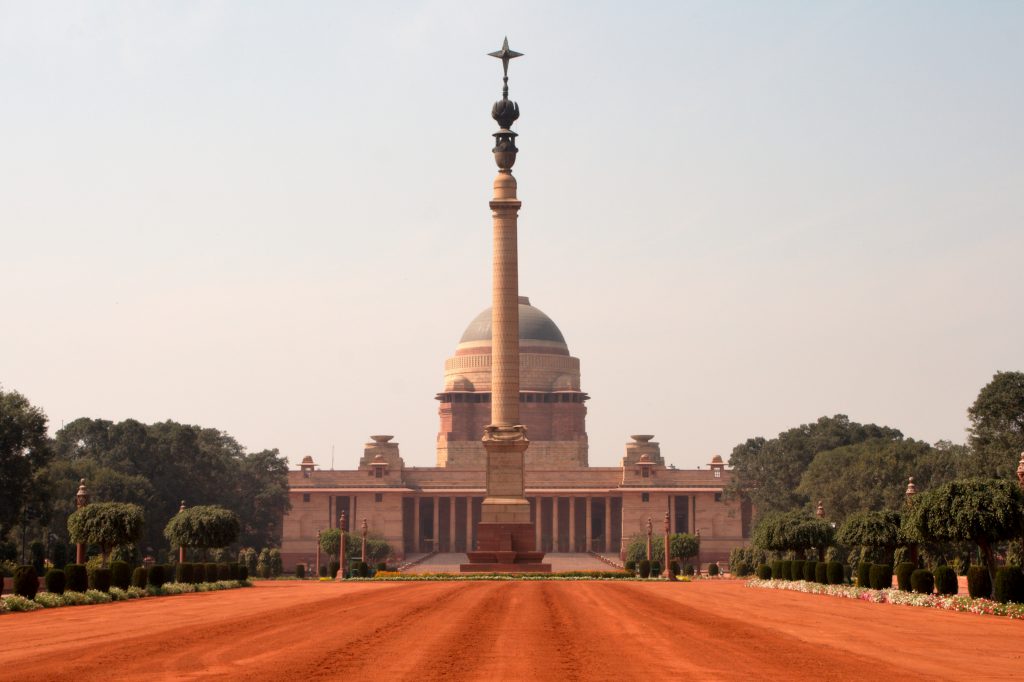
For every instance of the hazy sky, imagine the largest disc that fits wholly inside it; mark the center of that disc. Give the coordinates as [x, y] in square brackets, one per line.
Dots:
[271, 218]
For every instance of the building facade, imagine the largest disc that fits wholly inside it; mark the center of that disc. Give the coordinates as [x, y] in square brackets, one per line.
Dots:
[574, 507]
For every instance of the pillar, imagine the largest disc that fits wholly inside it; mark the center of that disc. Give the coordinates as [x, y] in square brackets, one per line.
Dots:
[554, 524]
[469, 523]
[451, 524]
[590, 524]
[416, 545]
[538, 520]
[437, 524]
[608, 526]
[572, 523]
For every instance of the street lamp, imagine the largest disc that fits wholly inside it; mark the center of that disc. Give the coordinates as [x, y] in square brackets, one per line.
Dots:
[317, 552]
[81, 500]
[650, 529]
[668, 574]
[363, 558]
[341, 547]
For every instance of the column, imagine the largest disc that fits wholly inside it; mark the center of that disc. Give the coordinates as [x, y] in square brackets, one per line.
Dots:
[608, 525]
[554, 524]
[416, 547]
[437, 523]
[451, 524]
[572, 523]
[538, 518]
[590, 523]
[469, 523]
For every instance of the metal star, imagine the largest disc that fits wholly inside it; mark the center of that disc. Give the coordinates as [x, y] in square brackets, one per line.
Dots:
[505, 54]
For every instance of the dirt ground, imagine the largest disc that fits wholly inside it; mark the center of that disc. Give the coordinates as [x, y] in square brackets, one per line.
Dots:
[505, 631]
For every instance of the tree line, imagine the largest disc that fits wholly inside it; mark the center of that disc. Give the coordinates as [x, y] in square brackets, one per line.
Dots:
[154, 466]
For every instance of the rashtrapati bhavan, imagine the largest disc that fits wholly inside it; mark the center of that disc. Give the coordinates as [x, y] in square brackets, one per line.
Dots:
[572, 506]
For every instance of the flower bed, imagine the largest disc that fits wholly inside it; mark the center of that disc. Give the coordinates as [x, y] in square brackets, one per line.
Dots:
[960, 602]
[48, 600]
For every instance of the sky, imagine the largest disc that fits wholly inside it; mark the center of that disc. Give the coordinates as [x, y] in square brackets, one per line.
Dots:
[272, 218]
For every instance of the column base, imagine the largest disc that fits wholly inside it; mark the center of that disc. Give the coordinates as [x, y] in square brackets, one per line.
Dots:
[506, 548]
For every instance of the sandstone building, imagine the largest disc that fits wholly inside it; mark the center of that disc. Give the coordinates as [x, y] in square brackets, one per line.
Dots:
[575, 507]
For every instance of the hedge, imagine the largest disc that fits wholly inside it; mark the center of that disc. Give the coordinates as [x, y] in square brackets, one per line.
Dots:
[797, 570]
[157, 576]
[99, 579]
[1009, 585]
[139, 576]
[864, 574]
[120, 575]
[233, 571]
[713, 569]
[786, 571]
[211, 572]
[26, 581]
[300, 571]
[243, 572]
[630, 565]
[777, 570]
[809, 568]
[946, 581]
[903, 571]
[821, 572]
[764, 572]
[56, 581]
[834, 573]
[979, 582]
[880, 576]
[644, 566]
[184, 573]
[922, 581]
[223, 572]
[688, 569]
[198, 573]
[77, 577]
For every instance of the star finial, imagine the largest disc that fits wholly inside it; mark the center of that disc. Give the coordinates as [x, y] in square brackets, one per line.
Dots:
[505, 54]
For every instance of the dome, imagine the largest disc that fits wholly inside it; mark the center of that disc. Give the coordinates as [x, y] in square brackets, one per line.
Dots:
[534, 325]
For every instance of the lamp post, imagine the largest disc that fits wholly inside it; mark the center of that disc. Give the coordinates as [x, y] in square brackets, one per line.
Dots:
[667, 574]
[696, 531]
[341, 547]
[1020, 471]
[911, 491]
[317, 552]
[650, 529]
[363, 557]
[181, 550]
[81, 500]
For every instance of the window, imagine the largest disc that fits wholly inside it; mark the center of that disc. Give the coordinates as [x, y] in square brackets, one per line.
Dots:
[378, 497]
[305, 497]
[645, 497]
[378, 472]
[718, 473]
[718, 497]
[647, 472]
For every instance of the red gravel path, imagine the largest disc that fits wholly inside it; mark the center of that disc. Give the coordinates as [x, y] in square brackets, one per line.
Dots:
[506, 631]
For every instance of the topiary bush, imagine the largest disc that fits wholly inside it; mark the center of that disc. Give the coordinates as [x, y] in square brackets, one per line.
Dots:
[644, 566]
[764, 572]
[796, 569]
[243, 572]
[139, 577]
[334, 567]
[821, 572]
[1009, 585]
[77, 577]
[211, 572]
[809, 568]
[713, 569]
[777, 570]
[655, 569]
[786, 570]
[630, 566]
[740, 569]
[157, 576]
[946, 581]
[300, 571]
[880, 576]
[233, 571]
[673, 568]
[834, 573]
[864, 574]
[120, 575]
[99, 579]
[688, 569]
[922, 581]
[56, 581]
[26, 581]
[184, 573]
[223, 572]
[364, 569]
[979, 583]
[903, 571]
[198, 573]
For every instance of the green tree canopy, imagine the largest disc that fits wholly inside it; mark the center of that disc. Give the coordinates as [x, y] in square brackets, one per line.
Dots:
[681, 546]
[997, 425]
[202, 526]
[24, 449]
[978, 510]
[872, 529]
[107, 524]
[795, 531]
[330, 541]
[768, 471]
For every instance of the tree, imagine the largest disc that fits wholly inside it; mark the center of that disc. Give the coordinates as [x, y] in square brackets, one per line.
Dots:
[795, 531]
[982, 511]
[769, 471]
[682, 546]
[107, 524]
[874, 530]
[24, 449]
[997, 425]
[330, 541]
[202, 526]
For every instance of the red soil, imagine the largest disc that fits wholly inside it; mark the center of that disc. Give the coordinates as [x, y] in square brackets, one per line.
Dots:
[505, 631]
